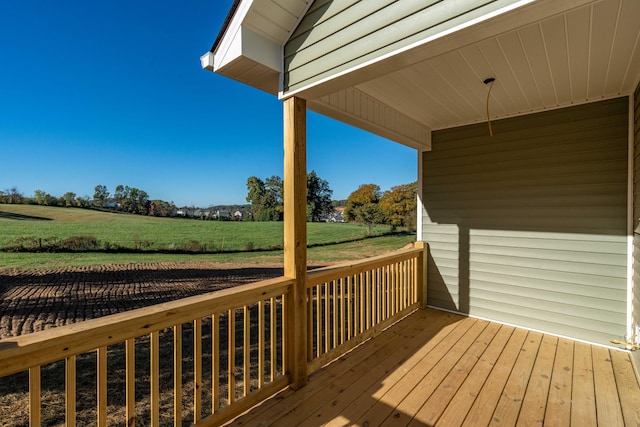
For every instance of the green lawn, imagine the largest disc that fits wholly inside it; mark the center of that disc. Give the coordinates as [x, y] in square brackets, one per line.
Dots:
[136, 231]
[124, 230]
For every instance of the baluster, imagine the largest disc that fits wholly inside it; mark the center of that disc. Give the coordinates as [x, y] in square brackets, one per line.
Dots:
[177, 375]
[231, 353]
[155, 377]
[34, 396]
[70, 391]
[327, 316]
[349, 309]
[310, 299]
[130, 381]
[334, 291]
[215, 363]
[102, 386]
[362, 298]
[318, 320]
[246, 368]
[197, 370]
[272, 338]
[261, 332]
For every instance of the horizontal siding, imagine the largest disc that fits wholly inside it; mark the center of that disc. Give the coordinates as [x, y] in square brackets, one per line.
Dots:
[529, 226]
[337, 35]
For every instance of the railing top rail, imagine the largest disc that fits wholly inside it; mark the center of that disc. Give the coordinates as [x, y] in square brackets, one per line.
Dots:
[22, 352]
[333, 272]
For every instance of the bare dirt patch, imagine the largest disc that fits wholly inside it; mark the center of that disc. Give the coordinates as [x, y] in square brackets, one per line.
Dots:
[31, 301]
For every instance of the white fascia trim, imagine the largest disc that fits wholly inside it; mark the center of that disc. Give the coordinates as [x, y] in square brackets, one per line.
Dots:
[206, 61]
[233, 28]
[240, 41]
[245, 43]
[212, 60]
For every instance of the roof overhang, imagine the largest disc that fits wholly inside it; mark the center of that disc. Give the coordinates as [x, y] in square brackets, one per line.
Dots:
[249, 46]
[544, 54]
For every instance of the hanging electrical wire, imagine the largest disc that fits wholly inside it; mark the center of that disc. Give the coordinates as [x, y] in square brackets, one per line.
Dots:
[489, 82]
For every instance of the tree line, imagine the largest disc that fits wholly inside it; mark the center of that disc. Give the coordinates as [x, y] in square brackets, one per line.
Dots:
[367, 205]
[124, 199]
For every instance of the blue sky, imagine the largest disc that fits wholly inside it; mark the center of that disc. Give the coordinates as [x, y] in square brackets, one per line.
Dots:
[112, 92]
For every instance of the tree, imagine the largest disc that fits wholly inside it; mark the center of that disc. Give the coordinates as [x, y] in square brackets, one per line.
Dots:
[101, 195]
[131, 199]
[69, 199]
[318, 197]
[43, 198]
[161, 208]
[362, 206]
[13, 196]
[265, 198]
[273, 202]
[139, 201]
[120, 196]
[398, 205]
[255, 195]
[40, 197]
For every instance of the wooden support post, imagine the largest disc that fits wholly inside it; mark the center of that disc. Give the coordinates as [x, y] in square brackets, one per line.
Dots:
[295, 235]
[422, 273]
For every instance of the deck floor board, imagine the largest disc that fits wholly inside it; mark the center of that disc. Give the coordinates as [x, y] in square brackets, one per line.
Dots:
[438, 369]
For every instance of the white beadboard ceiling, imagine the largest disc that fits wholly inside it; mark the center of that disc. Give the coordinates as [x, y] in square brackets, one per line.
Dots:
[585, 54]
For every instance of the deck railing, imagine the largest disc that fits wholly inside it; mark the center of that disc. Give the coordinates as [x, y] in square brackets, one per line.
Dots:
[350, 303]
[239, 333]
[246, 321]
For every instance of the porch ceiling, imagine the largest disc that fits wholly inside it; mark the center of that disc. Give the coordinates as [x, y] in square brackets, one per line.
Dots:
[565, 53]
[544, 54]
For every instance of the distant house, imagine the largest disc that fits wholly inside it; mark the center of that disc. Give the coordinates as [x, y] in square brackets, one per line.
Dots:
[221, 214]
[237, 215]
[337, 218]
[337, 215]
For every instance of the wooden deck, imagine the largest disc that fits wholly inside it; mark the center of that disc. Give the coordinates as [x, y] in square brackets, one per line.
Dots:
[436, 368]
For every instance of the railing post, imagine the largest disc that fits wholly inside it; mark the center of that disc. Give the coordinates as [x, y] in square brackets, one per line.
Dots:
[421, 272]
[295, 236]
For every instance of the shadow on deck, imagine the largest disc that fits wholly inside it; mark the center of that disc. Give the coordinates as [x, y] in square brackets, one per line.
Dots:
[439, 369]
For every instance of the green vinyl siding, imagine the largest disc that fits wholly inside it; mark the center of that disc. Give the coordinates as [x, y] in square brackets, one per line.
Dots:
[529, 226]
[337, 35]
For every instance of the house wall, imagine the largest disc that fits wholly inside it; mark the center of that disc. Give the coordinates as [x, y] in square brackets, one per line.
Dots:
[529, 227]
[349, 33]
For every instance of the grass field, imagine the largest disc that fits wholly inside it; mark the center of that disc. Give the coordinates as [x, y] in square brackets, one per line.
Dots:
[151, 234]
